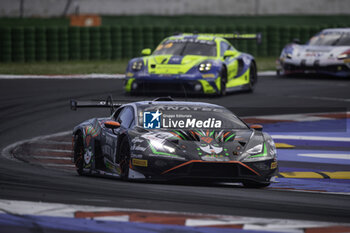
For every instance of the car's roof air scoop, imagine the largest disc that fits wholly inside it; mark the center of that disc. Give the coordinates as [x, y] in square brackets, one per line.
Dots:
[166, 98]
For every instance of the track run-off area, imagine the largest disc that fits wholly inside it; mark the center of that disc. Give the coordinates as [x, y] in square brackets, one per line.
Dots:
[307, 117]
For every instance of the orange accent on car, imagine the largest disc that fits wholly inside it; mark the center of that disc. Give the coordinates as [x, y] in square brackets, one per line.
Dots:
[256, 126]
[175, 135]
[207, 139]
[201, 161]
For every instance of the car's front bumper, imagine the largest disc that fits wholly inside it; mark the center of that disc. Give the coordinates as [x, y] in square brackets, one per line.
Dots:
[184, 83]
[339, 70]
[229, 171]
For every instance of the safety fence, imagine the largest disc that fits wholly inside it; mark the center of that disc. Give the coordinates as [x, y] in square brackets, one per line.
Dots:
[28, 44]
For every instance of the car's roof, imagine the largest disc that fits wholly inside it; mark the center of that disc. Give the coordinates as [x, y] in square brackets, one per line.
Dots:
[347, 30]
[194, 37]
[176, 103]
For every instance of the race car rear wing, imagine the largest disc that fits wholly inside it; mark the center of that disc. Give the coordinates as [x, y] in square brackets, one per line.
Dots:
[232, 36]
[108, 103]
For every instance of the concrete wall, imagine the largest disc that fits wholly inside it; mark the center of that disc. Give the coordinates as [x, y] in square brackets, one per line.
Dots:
[53, 8]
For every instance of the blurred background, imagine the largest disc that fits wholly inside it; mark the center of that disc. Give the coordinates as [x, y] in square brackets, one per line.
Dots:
[64, 31]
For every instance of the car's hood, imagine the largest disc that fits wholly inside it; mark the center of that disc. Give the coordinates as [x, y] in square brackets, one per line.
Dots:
[173, 64]
[318, 52]
[208, 145]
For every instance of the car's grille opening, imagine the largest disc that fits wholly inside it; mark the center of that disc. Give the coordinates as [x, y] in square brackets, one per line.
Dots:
[246, 172]
[317, 67]
[213, 170]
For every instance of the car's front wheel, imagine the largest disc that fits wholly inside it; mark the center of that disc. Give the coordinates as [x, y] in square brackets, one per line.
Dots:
[79, 153]
[124, 154]
[223, 80]
[253, 77]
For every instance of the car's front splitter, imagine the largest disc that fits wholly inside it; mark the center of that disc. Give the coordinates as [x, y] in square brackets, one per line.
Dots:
[338, 70]
[172, 84]
[211, 171]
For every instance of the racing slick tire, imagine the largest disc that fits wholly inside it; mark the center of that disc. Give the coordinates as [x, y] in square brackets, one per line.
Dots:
[253, 77]
[278, 73]
[124, 153]
[79, 153]
[253, 184]
[223, 80]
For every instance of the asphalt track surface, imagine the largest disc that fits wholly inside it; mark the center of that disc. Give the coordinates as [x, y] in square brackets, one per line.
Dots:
[30, 108]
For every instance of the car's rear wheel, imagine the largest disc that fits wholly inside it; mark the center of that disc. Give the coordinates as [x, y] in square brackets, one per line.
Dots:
[223, 80]
[124, 154]
[278, 73]
[253, 77]
[253, 184]
[79, 153]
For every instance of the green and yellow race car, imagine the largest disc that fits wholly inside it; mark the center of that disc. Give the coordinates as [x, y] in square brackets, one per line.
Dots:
[193, 64]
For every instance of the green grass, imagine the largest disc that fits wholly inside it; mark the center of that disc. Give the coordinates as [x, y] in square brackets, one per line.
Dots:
[266, 63]
[88, 67]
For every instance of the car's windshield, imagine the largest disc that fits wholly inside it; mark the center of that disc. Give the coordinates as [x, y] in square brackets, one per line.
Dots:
[188, 117]
[186, 47]
[331, 39]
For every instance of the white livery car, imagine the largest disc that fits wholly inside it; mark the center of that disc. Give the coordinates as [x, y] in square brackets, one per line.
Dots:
[326, 53]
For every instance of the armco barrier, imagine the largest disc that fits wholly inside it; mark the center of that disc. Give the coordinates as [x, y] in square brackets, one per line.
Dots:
[29, 44]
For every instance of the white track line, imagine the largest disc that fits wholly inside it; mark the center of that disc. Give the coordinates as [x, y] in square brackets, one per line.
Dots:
[327, 156]
[90, 76]
[56, 142]
[72, 76]
[314, 138]
[6, 152]
[192, 219]
[51, 157]
[54, 150]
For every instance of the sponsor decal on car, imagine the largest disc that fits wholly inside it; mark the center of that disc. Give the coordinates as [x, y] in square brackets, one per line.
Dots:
[151, 120]
[140, 162]
[273, 165]
[157, 120]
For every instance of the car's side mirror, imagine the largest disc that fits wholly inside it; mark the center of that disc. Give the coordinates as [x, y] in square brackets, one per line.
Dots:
[112, 124]
[296, 41]
[257, 127]
[146, 52]
[229, 53]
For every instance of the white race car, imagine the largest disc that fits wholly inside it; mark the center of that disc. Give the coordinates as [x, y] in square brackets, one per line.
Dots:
[327, 53]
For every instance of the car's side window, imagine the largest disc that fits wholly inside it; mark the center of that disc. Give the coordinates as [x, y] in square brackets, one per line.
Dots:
[117, 113]
[223, 47]
[126, 117]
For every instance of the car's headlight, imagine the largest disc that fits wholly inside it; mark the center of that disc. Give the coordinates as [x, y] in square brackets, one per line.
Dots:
[137, 65]
[259, 152]
[159, 146]
[256, 149]
[204, 67]
[288, 55]
[344, 55]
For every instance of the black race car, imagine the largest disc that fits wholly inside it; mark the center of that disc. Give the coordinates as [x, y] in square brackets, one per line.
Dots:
[169, 140]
